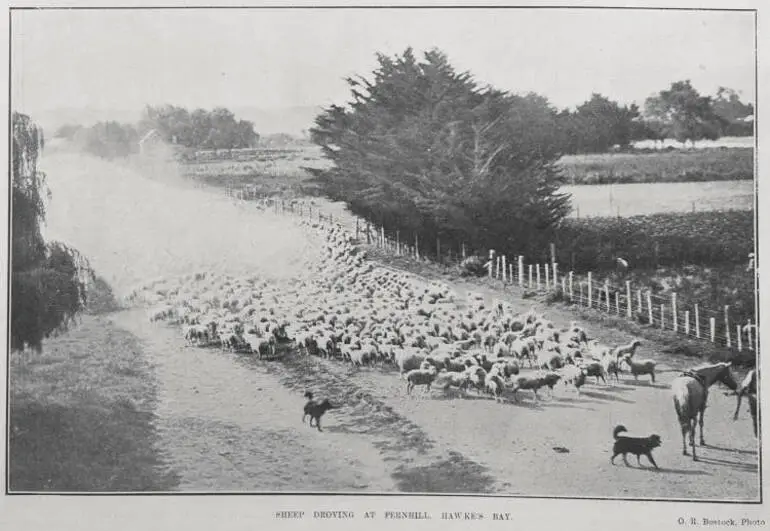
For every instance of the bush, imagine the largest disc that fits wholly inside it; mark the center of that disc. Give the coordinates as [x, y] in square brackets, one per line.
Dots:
[473, 266]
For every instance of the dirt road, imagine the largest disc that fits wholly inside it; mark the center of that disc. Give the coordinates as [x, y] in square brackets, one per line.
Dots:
[232, 423]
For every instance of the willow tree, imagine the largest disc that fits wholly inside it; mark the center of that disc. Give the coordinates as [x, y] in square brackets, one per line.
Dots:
[48, 285]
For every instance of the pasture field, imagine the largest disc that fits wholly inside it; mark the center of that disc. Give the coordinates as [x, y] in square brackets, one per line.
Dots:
[228, 421]
[715, 164]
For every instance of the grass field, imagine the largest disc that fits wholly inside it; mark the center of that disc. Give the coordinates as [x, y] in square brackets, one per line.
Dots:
[712, 164]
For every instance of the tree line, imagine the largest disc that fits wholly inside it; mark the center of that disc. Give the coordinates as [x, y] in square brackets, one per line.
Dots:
[422, 148]
[199, 129]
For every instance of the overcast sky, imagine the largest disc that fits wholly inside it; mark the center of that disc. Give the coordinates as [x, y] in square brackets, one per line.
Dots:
[124, 59]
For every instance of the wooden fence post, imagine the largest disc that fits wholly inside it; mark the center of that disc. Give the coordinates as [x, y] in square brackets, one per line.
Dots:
[687, 323]
[491, 262]
[649, 307]
[629, 302]
[547, 275]
[662, 317]
[416, 247]
[356, 228]
[607, 294]
[382, 236]
[740, 339]
[697, 322]
[727, 325]
[748, 335]
[563, 286]
[538, 277]
[510, 272]
[555, 272]
[463, 250]
[673, 311]
[530, 276]
[590, 289]
[571, 292]
[398, 243]
[497, 268]
[553, 255]
[617, 302]
[521, 271]
[713, 324]
[639, 298]
[505, 270]
[580, 299]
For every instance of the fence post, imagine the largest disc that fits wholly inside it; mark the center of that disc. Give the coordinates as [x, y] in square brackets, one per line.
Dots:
[416, 247]
[538, 277]
[553, 256]
[510, 272]
[547, 283]
[555, 272]
[697, 322]
[463, 250]
[713, 323]
[740, 339]
[639, 297]
[530, 276]
[505, 270]
[662, 317]
[673, 311]
[521, 271]
[497, 268]
[382, 236]
[607, 294]
[580, 300]
[617, 302]
[727, 325]
[356, 228]
[571, 293]
[491, 262]
[398, 243]
[629, 302]
[687, 323]
[748, 335]
[563, 286]
[589, 289]
[649, 306]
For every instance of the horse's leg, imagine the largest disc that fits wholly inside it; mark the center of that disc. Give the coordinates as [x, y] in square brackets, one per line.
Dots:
[692, 437]
[700, 422]
[753, 409]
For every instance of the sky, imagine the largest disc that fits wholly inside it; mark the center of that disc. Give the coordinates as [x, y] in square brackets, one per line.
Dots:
[274, 58]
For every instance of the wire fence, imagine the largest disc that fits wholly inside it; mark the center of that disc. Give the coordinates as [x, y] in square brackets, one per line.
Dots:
[634, 303]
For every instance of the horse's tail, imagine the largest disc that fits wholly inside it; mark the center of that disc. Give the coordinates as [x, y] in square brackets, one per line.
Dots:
[682, 405]
[618, 429]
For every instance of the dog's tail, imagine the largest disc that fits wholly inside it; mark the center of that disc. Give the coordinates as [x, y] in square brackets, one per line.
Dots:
[618, 429]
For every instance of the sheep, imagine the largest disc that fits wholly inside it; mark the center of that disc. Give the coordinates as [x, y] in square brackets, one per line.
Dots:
[494, 386]
[572, 374]
[420, 377]
[594, 368]
[476, 375]
[263, 346]
[530, 381]
[640, 367]
[408, 360]
[610, 366]
[623, 350]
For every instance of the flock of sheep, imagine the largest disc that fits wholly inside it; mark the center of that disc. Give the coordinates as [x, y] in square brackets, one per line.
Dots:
[347, 309]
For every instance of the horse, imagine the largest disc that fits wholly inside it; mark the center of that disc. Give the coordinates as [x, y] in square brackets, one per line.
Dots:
[690, 391]
[748, 387]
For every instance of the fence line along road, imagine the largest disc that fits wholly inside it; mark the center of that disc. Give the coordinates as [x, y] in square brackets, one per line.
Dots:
[630, 302]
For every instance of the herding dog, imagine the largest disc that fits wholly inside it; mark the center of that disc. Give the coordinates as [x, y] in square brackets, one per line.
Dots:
[316, 409]
[634, 445]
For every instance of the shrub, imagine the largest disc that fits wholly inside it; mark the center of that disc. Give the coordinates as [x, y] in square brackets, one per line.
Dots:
[473, 266]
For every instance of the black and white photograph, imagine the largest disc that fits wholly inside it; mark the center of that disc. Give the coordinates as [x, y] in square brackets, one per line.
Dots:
[505, 252]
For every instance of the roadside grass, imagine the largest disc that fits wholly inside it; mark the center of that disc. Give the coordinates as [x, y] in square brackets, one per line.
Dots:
[81, 413]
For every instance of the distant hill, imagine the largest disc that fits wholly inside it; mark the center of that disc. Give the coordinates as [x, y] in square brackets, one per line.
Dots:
[50, 120]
